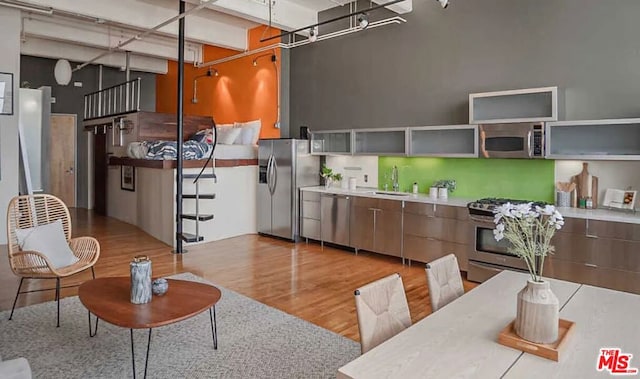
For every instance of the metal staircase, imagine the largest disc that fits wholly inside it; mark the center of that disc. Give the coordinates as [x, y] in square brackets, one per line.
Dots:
[197, 217]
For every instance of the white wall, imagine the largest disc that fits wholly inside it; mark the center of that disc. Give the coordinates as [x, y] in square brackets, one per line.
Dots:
[356, 166]
[9, 62]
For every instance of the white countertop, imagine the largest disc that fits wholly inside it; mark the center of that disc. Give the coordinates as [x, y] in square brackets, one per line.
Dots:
[591, 214]
[380, 194]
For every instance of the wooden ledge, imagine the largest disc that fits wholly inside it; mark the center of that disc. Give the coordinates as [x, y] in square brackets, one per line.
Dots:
[171, 164]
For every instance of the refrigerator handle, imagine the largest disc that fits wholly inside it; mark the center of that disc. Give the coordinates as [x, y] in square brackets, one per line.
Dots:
[270, 174]
[275, 174]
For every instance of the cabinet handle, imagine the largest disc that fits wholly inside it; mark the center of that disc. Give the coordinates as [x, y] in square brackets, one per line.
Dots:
[591, 236]
[591, 265]
[375, 209]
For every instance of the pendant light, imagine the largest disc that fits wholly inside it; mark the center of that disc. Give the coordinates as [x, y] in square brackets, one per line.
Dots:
[62, 72]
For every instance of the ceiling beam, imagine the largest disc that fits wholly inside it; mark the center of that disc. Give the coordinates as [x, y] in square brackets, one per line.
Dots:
[400, 8]
[286, 15]
[94, 35]
[145, 15]
[60, 50]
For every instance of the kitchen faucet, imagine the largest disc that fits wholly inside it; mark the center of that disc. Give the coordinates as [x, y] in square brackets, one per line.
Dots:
[394, 178]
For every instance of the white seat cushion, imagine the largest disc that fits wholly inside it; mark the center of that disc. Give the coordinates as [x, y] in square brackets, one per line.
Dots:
[49, 240]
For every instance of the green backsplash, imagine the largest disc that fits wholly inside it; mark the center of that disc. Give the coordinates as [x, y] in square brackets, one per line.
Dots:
[530, 179]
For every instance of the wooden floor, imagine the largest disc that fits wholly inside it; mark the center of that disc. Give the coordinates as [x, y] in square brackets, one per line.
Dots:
[301, 279]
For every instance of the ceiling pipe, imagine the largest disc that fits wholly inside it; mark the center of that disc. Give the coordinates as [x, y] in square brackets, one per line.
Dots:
[356, 13]
[203, 3]
[28, 7]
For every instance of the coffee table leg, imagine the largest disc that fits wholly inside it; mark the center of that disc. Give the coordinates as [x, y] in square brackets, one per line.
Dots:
[133, 355]
[92, 332]
[214, 328]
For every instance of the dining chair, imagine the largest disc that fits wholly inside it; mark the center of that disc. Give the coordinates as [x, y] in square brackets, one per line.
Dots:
[382, 311]
[43, 221]
[444, 281]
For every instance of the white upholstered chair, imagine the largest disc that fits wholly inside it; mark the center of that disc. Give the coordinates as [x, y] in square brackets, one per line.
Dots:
[444, 281]
[382, 311]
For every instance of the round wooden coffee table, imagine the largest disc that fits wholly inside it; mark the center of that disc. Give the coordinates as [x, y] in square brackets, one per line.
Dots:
[109, 299]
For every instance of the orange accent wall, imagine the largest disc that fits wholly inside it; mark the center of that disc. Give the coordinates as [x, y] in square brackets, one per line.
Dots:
[240, 93]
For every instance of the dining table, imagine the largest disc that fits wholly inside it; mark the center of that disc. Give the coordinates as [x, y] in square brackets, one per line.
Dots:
[460, 339]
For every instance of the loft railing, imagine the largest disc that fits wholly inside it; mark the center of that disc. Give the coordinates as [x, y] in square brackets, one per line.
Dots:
[113, 101]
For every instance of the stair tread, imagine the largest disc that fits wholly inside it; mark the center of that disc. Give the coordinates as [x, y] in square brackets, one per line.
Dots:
[203, 176]
[208, 196]
[200, 217]
[190, 238]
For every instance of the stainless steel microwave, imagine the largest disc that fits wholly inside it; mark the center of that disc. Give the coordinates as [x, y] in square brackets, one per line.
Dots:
[518, 140]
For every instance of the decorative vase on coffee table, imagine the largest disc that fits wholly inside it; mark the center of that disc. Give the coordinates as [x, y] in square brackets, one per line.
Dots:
[538, 313]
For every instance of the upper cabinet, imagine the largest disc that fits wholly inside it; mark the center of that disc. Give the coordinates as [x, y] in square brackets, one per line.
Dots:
[444, 141]
[594, 139]
[331, 142]
[381, 141]
[523, 105]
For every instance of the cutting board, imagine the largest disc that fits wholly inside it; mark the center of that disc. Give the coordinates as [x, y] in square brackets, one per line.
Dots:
[586, 185]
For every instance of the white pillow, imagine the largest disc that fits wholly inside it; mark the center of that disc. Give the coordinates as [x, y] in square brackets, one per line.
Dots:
[250, 132]
[227, 136]
[49, 240]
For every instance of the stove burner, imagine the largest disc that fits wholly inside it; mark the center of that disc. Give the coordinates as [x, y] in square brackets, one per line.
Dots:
[486, 206]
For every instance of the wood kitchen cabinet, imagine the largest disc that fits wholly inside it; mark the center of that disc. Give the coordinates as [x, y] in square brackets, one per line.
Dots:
[376, 225]
[432, 231]
[599, 253]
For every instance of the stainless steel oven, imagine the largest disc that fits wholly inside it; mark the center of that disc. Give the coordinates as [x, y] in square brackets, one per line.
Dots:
[489, 257]
[520, 140]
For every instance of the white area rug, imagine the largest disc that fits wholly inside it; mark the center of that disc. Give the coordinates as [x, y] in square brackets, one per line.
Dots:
[254, 341]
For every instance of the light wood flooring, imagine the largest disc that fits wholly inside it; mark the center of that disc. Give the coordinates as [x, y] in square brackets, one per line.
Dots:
[301, 279]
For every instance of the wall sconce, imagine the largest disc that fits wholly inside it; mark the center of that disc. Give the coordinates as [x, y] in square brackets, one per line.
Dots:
[210, 72]
[272, 56]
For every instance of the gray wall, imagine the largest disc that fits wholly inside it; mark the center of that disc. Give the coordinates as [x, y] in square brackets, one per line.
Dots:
[421, 72]
[70, 99]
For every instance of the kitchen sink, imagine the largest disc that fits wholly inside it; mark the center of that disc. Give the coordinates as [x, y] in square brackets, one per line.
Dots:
[391, 193]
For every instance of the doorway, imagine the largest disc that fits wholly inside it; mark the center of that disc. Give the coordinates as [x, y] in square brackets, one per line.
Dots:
[62, 158]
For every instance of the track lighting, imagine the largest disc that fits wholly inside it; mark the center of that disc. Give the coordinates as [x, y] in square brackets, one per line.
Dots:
[313, 34]
[255, 62]
[215, 72]
[443, 3]
[363, 20]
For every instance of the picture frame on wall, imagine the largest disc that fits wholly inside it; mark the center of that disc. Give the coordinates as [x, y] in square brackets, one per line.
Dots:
[6, 93]
[128, 178]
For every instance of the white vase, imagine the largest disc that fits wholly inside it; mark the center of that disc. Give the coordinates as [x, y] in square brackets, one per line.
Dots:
[538, 313]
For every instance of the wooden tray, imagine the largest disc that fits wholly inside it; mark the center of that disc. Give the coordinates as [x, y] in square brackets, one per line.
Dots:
[508, 337]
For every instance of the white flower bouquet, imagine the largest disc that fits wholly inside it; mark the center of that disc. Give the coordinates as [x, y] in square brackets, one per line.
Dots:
[529, 228]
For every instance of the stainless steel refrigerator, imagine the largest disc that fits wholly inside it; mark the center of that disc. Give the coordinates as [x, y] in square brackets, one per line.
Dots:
[284, 165]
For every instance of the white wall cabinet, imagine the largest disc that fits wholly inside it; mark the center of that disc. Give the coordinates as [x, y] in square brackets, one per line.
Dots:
[444, 141]
[617, 139]
[332, 142]
[523, 105]
[392, 141]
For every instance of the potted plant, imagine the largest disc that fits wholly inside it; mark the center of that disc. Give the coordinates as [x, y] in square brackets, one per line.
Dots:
[529, 229]
[444, 187]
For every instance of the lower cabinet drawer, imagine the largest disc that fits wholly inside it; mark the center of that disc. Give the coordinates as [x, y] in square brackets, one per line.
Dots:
[429, 249]
[311, 209]
[620, 280]
[310, 228]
